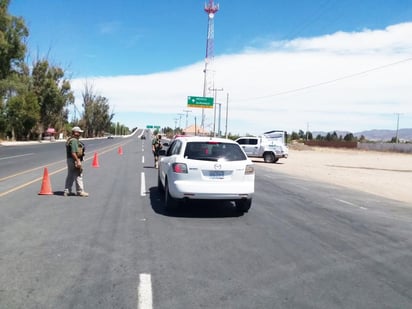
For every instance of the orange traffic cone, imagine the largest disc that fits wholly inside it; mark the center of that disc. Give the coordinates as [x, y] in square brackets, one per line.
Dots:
[95, 160]
[46, 186]
[120, 150]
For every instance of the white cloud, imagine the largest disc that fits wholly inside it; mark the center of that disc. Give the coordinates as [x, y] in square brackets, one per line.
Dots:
[393, 39]
[343, 81]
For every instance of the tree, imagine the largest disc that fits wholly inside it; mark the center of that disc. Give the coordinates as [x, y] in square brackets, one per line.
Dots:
[53, 92]
[22, 114]
[320, 137]
[362, 138]
[168, 131]
[13, 33]
[394, 140]
[294, 136]
[97, 116]
[332, 137]
[349, 137]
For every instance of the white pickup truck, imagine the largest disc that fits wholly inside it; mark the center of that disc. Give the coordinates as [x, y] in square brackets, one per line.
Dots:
[271, 146]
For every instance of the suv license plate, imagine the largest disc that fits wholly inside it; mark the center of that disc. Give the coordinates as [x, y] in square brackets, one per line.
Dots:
[216, 174]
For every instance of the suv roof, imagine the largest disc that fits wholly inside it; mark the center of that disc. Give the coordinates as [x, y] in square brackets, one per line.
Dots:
[205, 138]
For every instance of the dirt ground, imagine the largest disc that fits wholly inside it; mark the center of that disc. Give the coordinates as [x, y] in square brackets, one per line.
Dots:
[381, 173]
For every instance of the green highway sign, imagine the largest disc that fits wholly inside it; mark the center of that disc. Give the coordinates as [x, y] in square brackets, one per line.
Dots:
[149, 127]
[202, 102]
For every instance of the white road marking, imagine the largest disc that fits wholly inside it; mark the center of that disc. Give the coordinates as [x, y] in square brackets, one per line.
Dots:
[143, 185]
[144, 292]
[351, 204]
[12, 157]
[142, 159]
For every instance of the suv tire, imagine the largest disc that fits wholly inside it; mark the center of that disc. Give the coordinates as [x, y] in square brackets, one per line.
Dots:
[170, 202]
[269, 157]
[244, 205]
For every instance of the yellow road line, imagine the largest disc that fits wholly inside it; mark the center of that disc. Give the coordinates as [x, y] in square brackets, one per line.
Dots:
[29, 183]
[52, 173]
[28, 171]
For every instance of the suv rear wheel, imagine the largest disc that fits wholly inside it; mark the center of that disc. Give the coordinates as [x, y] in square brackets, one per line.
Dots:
[170, 202]
[269, 157]
[159, 184]
[243, 205]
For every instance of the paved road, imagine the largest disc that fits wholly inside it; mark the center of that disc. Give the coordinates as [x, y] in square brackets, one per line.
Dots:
[302, 245]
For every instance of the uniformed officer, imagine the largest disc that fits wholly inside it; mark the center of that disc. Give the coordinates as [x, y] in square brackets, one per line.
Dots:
[75, 154]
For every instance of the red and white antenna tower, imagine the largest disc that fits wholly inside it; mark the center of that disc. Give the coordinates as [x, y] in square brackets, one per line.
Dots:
[210, 8]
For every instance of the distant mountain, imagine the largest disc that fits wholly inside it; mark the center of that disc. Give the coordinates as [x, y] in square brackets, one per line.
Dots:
[374, 135]
[386, 135]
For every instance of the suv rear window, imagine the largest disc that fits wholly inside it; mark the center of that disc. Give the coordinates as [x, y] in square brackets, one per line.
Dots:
[213, 151]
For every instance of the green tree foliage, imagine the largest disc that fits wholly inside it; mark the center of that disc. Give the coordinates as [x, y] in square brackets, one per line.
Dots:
[168, 131]
[349, 137]
[53, 92]
[362, 139]
[97, 116]
[294, 136]
[32, 100]
[13, 33]
[22, 114]
[332, 136]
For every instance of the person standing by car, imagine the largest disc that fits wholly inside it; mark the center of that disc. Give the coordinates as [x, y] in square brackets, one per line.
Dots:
[156, 146]
[75, 153]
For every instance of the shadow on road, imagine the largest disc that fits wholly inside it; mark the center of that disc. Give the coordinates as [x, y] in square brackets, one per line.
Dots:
[260, 161]
[193, 209]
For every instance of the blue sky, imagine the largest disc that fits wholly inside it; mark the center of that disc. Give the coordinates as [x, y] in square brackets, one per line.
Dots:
[318, 64]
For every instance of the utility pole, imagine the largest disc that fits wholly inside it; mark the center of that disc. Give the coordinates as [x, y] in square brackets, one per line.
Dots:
[187, 111]
[397, 128]
[180, 119]
[215, 90]
[218, 121]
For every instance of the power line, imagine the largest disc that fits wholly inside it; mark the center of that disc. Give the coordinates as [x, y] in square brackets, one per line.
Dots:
[329, 82]
[321, 10]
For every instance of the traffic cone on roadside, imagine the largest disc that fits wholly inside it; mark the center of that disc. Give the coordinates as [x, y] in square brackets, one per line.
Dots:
[120, 150]
[95, 160]
[46, 185]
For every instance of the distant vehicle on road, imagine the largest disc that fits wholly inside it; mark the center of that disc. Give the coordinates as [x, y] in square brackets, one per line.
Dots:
[206, 168]
[271, 146]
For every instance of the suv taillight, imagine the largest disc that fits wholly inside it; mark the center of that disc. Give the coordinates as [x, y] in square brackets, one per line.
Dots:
[249, 170]
[179, 168]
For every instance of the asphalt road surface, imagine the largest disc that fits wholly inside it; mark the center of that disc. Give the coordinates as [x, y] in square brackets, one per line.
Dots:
[302, 245]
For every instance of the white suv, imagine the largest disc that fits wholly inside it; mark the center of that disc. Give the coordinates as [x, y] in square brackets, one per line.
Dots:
[269, 148]
[206, 168]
